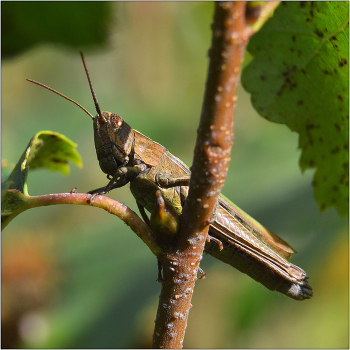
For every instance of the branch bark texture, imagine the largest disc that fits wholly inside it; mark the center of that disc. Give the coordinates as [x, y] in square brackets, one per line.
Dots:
[209, 169]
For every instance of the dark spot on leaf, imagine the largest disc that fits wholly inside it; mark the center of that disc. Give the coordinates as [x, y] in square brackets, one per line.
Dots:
[342, 178]
[336, 47]
[293, 38]
[337, 127]
[310, 126]
[302, 4]
[59, 161]
[346, 146]
[340, 97]
[53, 136]
[313, 183]
[291, 49]
[335, 188]
[320, 139]
[311, 163]
[303, 71]
[343, 62]
[325, 71]
[289, 71]
[318, 33]
[322, 207]
[292, 86]
[334, 38]
[308, 19]
[299, 53]
[335, 150]
[311, 13]
[262, 77]
[300, 102]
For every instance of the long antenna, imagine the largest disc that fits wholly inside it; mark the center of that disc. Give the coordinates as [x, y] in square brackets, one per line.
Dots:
[98, 110]
[58, 93]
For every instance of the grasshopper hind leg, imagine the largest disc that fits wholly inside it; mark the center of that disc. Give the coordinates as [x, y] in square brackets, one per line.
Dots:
[143, 214]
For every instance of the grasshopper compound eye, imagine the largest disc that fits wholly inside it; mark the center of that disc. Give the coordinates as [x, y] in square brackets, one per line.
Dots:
[116, 121]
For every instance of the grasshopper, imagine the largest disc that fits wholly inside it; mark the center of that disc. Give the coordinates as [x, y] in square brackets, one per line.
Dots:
[127, 156]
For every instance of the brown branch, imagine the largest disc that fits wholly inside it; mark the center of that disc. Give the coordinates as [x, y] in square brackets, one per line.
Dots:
[209, 169]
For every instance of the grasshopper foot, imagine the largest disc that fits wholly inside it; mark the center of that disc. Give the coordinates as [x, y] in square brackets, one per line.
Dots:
[217, 241]
[202, 274]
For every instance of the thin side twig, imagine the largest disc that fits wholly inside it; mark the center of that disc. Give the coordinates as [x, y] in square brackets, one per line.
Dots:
[110, 205]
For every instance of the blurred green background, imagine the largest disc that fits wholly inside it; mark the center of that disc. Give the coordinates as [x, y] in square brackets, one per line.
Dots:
[76, 277]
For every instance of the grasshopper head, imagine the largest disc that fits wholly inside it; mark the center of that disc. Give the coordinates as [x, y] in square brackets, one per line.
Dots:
[113, 137]
[113, 141]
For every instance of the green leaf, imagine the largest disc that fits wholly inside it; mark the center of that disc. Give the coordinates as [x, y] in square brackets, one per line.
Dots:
[299, 77]
[46, 149]
[73, 23]
[53, 151]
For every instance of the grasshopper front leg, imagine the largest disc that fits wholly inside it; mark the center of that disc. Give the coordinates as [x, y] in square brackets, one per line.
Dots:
[121, 177]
